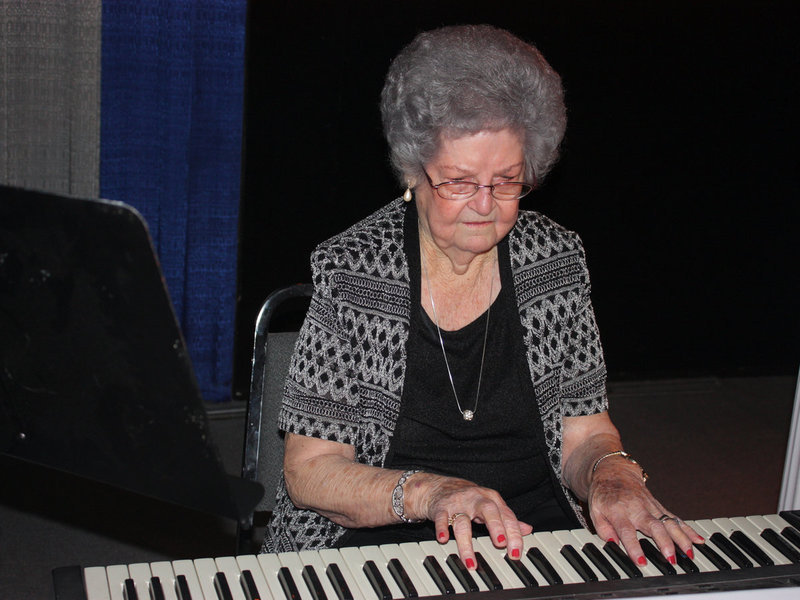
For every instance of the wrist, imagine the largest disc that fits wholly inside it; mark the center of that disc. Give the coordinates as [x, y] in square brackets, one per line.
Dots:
[620, 458]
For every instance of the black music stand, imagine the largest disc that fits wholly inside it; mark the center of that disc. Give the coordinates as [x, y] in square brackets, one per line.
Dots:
[95, 377]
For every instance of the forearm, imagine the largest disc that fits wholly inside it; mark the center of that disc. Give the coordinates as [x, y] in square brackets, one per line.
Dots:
[577, 469]
[348, 493]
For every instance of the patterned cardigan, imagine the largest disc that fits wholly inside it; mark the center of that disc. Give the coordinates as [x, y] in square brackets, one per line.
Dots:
[346, 376]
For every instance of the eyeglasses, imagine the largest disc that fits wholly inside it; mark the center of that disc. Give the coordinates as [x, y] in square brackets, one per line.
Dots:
[463, 190]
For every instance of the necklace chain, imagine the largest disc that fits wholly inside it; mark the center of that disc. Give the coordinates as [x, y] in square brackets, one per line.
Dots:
[468, 415]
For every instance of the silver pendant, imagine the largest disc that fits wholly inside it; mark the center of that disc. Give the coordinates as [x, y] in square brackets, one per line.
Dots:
[468, 415]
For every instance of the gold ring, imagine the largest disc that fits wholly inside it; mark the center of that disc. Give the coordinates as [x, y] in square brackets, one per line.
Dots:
[452, 518]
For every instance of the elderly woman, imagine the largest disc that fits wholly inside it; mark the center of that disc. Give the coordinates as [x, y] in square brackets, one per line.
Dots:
[449, 372]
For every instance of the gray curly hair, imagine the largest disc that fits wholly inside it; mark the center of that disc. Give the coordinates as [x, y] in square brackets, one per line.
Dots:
[460, 80]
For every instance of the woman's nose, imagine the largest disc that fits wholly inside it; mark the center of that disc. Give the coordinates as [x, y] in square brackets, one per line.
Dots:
[483, 201]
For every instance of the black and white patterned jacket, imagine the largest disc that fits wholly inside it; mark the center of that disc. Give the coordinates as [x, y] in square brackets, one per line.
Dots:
[346, 376]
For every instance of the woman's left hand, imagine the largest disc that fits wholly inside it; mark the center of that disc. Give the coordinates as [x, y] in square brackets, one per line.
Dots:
[619, 502]
[620, 505]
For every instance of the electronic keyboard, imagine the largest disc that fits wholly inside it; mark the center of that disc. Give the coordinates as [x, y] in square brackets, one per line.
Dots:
[758, 553]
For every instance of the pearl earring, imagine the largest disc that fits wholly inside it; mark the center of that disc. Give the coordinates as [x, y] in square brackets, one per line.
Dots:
[407, 196]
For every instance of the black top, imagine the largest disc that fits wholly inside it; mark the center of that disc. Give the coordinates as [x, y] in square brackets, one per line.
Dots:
[499, 448]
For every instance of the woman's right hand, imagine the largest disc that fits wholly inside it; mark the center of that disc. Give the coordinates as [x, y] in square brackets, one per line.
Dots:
[451, 501]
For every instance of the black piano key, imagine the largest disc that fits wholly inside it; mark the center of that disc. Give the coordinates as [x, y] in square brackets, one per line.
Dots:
[129, 590]
[545, 568]
[313, 583]
[402, 579]
[485, 572]
[68, 583]
[713, 556]
[462, 573]
[222, 588]
[182, 588]
[684, 562]
[731, 551]
[287, 584]
[376, 580]
[338, 582]
[791, 534]
[521, 571]
[600, 561]
[438, 575]
[576, 562]
[751, 548]
[655, 557]
[249, 585]
[792, 517]
[623, 561]
[156, 590]
[781, 545]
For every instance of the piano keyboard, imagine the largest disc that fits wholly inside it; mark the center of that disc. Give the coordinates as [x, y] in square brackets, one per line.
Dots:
[753, 552]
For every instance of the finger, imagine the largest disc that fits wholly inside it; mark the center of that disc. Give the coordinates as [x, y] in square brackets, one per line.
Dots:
[441, 527]
[525, 528]
[462, 532]
[662, 530]
[626, 533]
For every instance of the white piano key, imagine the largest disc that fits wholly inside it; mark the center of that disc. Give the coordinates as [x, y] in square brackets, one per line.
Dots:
[96, 583]
[537, 575]
[249, 562]
[166, 576]
[117, 574]
[270, 565]
[650, 570]
[206, 568]
[566, 538]
[422, 581]
[777, 522]
[374, 554]
[229, 566]
[415, 555]
[747, 528]
[707, 528]
[451, 547]
[292, 561]
[583, 537]
[496, 559]
[437, 550]
[551, 549]
[140, 573]
[359, 586]
[187, 569]
[699, 559]
[311, 558]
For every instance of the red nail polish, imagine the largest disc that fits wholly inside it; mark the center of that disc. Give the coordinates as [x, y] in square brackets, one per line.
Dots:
[690, 553]
[470, 563]
[515, 553]
[611, 541]
[702, 538]
[501, 538]
[442, 535]
[642, 560]
[671, 560]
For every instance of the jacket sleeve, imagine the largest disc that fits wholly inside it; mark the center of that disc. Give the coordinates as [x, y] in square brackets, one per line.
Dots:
[583, 370]
[321, 394]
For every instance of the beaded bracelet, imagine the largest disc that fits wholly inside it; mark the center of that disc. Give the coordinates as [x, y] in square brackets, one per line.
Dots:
[398, 501]
[624, 455]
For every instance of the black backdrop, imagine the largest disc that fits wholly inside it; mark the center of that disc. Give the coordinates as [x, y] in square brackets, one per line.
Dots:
[679, 169]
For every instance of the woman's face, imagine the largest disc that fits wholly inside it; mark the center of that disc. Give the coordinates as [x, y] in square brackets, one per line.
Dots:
[475, 225]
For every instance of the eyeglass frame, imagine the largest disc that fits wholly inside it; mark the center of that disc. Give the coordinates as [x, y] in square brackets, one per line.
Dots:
[478, 186]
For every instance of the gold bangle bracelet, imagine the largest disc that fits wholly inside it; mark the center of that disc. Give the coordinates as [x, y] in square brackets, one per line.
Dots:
[624, 455]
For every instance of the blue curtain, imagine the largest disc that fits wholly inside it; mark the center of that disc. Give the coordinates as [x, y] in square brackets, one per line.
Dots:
[171, 138]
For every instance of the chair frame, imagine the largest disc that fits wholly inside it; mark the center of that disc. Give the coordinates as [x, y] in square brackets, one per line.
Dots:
[255, 403]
